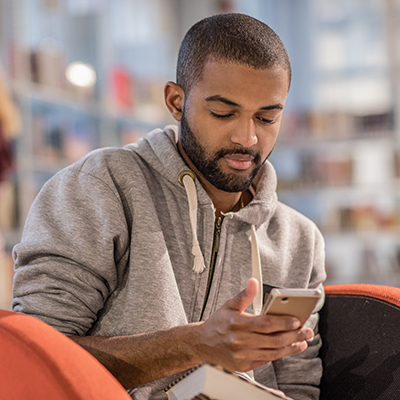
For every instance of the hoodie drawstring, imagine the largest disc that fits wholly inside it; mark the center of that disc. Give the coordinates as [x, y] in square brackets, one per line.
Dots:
[186, 179]
[256, 271]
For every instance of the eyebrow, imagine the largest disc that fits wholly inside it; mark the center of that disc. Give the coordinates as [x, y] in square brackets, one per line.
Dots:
[224, 100]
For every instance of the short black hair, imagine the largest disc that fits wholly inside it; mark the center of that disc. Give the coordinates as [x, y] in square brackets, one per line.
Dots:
[233, 37]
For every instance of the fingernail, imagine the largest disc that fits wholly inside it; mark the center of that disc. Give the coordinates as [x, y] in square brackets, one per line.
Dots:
[296, 324]
[310, 335]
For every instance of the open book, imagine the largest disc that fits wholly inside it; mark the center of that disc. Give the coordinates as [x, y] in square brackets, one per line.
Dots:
[211, 382]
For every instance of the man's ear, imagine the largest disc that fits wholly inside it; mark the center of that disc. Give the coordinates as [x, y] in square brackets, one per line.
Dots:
[174, 97]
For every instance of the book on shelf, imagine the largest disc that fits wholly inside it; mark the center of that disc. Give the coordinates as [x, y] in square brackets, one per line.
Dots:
[211, 382]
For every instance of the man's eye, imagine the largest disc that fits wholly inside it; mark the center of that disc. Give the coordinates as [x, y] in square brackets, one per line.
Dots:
[266, 121]
[221, 116]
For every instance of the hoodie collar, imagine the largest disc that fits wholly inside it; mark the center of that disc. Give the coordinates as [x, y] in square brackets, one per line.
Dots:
[159, 149]
[265, 199]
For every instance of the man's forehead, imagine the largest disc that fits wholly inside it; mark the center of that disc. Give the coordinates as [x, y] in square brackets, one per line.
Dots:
[227, 82]
[226, 70]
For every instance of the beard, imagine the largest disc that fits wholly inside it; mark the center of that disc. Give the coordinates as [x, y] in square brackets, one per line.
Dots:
[208, 164]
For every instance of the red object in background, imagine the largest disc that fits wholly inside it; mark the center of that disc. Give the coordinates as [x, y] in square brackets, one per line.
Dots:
[6, 161]
[122, 88]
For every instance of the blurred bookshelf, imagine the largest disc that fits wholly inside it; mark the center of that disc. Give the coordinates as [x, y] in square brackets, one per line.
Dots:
[338, 159]
[349, 184]
[338, 154]
[128, 48]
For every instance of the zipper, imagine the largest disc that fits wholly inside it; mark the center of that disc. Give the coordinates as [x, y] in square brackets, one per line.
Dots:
[215, 247]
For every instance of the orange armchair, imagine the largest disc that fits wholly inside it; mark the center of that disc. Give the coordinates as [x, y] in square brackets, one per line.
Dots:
[37, 362]
[359, 325]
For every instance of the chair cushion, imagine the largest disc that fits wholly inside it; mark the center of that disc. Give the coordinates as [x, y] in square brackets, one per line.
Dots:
[359, 325]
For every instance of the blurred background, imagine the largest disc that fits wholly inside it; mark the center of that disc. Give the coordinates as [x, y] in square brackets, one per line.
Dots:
[81, 74]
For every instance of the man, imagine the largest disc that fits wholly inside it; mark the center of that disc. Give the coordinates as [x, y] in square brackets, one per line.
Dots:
[145, 255]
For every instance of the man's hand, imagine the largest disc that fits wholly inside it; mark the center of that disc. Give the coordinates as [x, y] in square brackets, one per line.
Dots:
[240, 341]
[230, 337]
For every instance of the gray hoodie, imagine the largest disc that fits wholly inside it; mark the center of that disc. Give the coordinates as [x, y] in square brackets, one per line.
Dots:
[107, 250]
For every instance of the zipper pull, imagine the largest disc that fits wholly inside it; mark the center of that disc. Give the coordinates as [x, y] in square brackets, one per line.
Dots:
[217, 233]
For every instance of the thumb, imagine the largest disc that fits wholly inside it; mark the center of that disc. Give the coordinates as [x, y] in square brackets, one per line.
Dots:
[242, 300]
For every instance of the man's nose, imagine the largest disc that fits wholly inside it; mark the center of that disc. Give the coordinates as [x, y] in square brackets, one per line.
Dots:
[245, 133]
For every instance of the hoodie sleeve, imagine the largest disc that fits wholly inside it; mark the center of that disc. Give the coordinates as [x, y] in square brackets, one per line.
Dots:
[299, 375]
[72, 253]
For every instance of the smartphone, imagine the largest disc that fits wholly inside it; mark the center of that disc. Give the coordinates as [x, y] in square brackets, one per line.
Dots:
[298, 303]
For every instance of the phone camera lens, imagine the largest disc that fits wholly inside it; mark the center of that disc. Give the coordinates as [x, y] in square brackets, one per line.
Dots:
[285, 299]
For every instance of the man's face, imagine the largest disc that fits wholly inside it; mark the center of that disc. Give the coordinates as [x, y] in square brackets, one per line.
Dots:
[230, 122]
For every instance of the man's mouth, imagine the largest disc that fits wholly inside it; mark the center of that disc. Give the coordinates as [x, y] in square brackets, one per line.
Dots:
[239, 161]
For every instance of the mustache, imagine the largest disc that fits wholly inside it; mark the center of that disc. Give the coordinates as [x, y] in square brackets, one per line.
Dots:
[248, 152]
